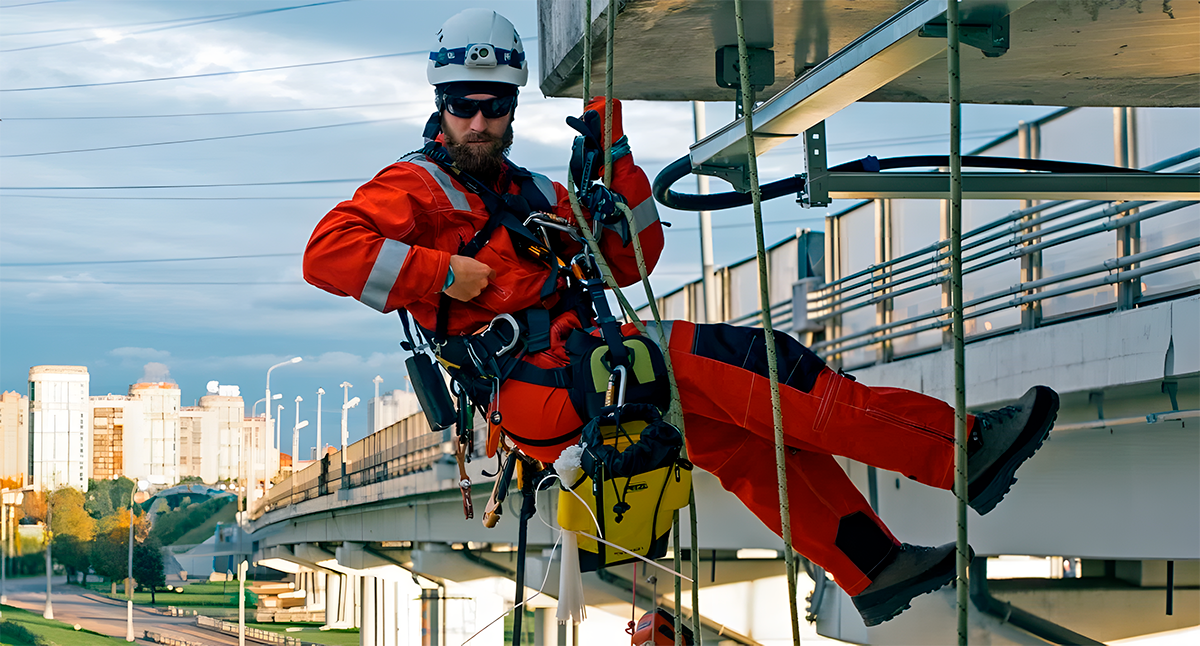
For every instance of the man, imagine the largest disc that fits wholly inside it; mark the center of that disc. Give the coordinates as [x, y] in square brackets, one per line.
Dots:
[410, 240]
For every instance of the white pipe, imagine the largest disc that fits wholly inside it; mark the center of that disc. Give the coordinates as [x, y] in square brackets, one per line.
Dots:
[706, 246]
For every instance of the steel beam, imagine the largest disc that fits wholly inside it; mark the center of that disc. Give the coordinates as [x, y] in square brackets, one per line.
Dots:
[876, 58]
[1017, 186]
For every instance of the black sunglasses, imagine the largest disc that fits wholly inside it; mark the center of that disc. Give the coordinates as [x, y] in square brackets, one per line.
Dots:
[465, 108]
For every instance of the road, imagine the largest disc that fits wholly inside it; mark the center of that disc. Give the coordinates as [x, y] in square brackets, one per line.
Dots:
[74, 605]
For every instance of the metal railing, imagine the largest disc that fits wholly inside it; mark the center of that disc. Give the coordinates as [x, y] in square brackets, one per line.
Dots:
[1020, 234]
[257, 634]
[401, 449]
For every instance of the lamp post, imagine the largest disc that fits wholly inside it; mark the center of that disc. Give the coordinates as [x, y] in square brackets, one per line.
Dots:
[141, 486]
[347, 404]
[320, 446]
[48, 613]
[296, 437]
[248, 457]
[375, 406]
[278, 441]
[267, 428]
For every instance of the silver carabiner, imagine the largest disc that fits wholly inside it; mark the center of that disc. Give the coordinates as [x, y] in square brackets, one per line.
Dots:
[516, 330]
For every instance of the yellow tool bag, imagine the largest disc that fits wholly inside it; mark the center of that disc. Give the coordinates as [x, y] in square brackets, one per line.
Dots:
[631, 479]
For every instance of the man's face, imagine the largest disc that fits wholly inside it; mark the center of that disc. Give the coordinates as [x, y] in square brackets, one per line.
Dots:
[477, 144]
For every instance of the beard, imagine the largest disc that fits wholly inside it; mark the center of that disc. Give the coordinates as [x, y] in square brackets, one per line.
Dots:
[479, 154]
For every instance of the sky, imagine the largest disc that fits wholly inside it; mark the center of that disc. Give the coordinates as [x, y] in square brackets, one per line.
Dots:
[159, 181]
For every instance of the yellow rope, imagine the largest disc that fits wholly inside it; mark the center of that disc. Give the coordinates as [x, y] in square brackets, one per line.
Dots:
[785, 520]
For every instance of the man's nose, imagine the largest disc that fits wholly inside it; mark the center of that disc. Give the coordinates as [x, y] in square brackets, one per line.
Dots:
[479, 122]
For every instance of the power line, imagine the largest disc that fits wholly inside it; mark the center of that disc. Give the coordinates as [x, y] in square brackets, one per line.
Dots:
[187, 22]
[185, 199]
[210, 74]
[165, 186]
[68, 281]
[142, 261]
[30, 4]
[199, 139]
[219, 114]
[227, 73]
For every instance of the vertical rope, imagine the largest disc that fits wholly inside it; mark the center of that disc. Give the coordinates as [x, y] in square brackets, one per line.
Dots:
[587, 51]
[785, 519]
[956, 298]
[608, 95]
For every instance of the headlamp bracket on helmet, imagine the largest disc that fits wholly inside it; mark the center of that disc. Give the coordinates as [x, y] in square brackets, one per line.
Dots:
[480, 55]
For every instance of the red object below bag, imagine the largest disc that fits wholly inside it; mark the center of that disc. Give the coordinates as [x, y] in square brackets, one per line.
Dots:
[658, 629]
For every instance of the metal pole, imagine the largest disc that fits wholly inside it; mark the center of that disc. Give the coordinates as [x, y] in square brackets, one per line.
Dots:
[296, 439]
[320, 445]
[706, 246]
[375, 407]
[129, 579]
[4, 546]
[278, 442]
[48, 613]
[785, 519]
[242, 603]
[266, 434]
[956, 297]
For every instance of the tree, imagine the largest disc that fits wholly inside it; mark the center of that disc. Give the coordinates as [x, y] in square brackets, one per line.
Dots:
[34, 506]
[190, 480]
[110, 549]
[72, 530]
[148, 569]
[120, 491]
[98, 502]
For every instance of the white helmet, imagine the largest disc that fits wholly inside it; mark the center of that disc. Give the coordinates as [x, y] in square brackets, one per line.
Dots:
[478, 45]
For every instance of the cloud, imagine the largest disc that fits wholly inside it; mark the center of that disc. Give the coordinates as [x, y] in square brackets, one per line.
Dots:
[139, 354]
[155, 372]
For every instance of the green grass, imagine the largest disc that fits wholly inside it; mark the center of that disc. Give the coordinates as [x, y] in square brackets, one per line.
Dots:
[54, 633]
[311, 633]
[194, 595]
[204, 531]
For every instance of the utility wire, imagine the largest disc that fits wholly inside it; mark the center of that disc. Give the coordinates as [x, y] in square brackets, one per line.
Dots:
[226, 73]
[218, 114]
[187, 22]
[68, 281]
[184, 199]
[199, 139]
[30, 4]
[143, 261]
[158, 186]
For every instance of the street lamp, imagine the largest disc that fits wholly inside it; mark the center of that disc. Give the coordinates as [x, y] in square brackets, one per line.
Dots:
[267, 428]
[320, 446]
[296, 436]
[142, 485]
[375, 406]
[347, 404]
[248, 459]
[278, 442]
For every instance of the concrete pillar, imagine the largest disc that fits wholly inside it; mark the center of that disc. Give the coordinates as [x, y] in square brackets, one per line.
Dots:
[366, 608]
[333, 596]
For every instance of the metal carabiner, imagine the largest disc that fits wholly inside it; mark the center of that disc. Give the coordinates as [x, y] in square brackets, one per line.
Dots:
[616, 387]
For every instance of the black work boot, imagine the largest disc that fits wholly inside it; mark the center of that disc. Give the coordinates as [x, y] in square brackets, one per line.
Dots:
[916, 570]
[1001, 440]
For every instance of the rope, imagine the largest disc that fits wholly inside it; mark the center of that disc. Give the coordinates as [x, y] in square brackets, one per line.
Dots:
[956, 299]
[676, 412]
[785, 520]
[587, 51]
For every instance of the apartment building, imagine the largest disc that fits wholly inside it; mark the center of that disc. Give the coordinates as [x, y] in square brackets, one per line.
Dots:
[14, 435]
[157, 456]
[59, 429]
[117, 431]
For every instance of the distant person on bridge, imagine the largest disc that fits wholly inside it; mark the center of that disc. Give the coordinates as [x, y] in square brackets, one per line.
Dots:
[435, 234]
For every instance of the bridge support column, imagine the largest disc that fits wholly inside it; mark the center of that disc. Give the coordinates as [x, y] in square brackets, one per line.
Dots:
[367, 635]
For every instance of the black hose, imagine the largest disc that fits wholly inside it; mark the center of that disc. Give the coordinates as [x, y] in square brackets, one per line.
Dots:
[681, 167]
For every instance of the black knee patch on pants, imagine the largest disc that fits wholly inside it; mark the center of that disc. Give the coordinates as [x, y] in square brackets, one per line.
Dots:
[864, 543]
[746, 348]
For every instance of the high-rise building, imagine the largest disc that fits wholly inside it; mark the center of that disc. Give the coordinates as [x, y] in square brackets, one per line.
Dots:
[230, 410]
[258, 439]
[158, 455]
[117, 431]
[14, 435]
[197, 443]
[58, 427]
[386, 410]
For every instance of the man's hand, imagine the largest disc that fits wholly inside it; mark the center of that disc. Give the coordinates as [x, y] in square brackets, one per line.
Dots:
[470, 278]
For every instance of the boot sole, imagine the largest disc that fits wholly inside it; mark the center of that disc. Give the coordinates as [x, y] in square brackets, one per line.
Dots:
[999, 477]
[885, 604]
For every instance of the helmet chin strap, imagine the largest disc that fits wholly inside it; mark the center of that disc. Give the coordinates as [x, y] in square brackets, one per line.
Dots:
[433, 127]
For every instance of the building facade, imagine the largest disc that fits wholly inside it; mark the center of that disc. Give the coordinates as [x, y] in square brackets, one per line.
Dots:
[14, 436]
[59, 446]
[229, 410]
[157, 457]
[117, 423]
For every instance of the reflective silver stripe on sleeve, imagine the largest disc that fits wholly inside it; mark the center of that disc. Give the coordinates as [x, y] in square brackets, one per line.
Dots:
[546, 186]
[458, 199]
[644, 215]
[384, 274]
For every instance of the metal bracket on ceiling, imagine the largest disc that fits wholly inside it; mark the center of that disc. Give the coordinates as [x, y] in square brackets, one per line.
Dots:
[815, 190]
[987, 33]
[737, 176]
[762, 71]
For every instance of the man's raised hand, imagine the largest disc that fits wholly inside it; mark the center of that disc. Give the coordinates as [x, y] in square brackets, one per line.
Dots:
[471, 277]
